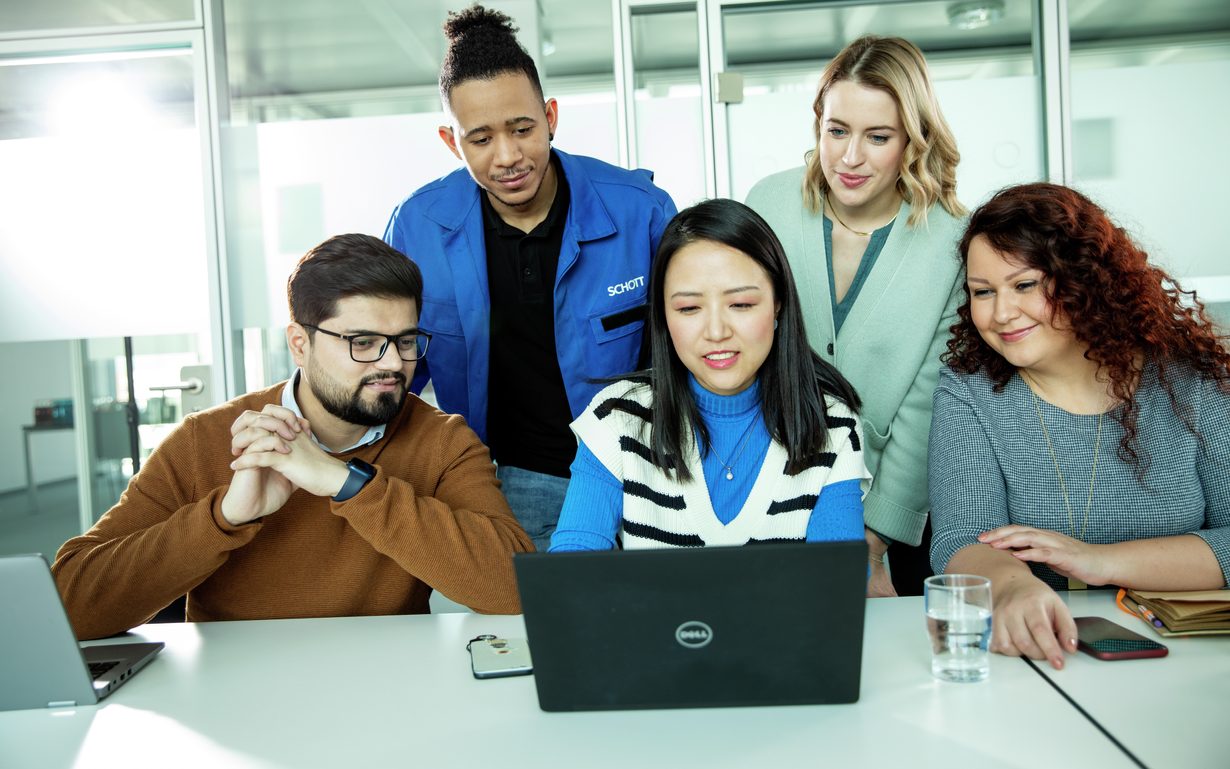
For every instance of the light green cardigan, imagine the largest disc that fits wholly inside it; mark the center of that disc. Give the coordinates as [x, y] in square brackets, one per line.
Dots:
[890, 344]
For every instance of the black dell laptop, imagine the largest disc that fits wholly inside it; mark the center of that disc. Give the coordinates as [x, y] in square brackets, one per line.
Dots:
[767, 624]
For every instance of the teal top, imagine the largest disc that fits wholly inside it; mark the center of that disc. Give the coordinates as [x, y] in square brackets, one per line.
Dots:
[842, 309]
[888, 344]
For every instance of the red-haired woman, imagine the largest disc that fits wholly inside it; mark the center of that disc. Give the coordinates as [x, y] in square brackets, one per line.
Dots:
[1081, 433]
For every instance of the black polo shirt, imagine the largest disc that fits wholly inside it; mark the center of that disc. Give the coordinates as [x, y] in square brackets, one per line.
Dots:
[527, 406]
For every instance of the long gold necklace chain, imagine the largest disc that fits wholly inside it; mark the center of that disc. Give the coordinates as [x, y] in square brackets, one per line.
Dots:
[730, 472]
[833, 211]
[1072, 583]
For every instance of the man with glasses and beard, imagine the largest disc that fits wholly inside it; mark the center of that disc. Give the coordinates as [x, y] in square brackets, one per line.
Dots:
[337, 493]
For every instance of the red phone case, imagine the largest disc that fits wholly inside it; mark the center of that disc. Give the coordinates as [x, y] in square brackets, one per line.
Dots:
[1106, 640]
[1160, 651]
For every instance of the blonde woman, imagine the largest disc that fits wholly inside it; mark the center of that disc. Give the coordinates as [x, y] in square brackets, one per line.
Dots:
[870, 226]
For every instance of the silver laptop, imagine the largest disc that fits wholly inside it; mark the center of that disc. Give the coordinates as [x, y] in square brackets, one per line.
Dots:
[762, 624]
[41, 664]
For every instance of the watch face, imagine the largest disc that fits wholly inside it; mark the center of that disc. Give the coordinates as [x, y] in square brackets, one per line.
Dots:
[358, 465]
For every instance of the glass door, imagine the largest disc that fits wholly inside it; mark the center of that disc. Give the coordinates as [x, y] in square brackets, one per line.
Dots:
[665, 102]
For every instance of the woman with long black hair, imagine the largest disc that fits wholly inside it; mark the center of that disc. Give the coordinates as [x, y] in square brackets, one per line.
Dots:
[738, 432]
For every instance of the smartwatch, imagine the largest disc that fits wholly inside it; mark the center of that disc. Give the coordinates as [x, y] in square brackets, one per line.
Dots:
[360, 474]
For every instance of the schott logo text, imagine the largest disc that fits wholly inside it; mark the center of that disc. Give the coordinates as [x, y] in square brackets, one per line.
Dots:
[619, 288]
[694, 634]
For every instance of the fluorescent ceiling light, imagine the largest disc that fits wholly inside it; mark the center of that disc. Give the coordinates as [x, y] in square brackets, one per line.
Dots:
[81, 58]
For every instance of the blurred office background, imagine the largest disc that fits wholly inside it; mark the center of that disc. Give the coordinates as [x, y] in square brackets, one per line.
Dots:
[165, 163]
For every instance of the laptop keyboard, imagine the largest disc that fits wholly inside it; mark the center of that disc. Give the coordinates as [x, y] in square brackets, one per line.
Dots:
[98, 668]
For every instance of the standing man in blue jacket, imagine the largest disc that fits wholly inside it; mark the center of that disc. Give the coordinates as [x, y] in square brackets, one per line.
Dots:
[534, 263]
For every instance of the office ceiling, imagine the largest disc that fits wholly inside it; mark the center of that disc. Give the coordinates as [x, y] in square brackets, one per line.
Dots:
[313, 48]
[306, 46]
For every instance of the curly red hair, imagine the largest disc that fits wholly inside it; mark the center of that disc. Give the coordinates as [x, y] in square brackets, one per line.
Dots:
[1104, 287]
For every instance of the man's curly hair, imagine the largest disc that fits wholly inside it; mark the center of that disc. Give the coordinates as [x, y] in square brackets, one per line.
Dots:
[1102, 285]
[482, 45]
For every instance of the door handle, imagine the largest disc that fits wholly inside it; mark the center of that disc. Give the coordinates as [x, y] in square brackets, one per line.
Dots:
[193, 386]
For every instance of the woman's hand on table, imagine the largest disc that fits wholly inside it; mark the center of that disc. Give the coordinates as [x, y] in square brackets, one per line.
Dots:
[1067, 556]
[1029, 618]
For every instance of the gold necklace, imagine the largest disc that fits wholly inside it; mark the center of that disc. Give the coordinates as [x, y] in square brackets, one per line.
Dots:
[730, 473]
[833, 211]
[1073, 584]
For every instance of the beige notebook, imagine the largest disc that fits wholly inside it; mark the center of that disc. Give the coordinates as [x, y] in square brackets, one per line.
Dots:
[1198, 612]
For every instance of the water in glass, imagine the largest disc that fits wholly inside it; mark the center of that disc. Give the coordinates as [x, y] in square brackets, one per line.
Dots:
[959, 622]
[960, 643]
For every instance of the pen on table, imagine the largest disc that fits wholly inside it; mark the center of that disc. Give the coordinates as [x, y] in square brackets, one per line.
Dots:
[1149, 615]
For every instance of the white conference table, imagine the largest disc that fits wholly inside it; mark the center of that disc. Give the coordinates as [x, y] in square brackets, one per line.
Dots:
[397, 691]
[1169, 711]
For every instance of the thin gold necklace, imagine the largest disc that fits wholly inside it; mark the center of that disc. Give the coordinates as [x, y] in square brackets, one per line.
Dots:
[730, 473]
[833, 211]
[1073, 584]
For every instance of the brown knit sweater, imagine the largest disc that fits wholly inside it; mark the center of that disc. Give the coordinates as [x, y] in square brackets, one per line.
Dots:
[433, 517]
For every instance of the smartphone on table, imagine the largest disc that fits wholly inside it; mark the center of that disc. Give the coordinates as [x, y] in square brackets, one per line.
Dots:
[1108, 641]
[492, 657]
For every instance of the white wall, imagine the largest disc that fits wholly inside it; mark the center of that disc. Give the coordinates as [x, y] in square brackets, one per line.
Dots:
[34, 371]
[587, 126]
[1170, 163]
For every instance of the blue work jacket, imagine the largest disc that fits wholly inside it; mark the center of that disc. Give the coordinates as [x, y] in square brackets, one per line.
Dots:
[615, 220]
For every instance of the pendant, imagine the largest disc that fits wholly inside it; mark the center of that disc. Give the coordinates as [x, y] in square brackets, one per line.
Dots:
[730, 476]
[1076, 584]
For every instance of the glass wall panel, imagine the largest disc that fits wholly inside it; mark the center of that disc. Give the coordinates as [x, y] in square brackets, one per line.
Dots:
[64, 14]
[70, 398]
[984, 78]
[103, 236]
[666, 78]
[102, 182]
[38, 479]
[1149, 86]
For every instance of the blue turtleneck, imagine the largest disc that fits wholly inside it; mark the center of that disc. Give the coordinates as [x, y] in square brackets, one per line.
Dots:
[739, 443]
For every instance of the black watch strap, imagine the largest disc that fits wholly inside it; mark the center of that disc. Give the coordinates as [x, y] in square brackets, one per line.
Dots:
[360, 473]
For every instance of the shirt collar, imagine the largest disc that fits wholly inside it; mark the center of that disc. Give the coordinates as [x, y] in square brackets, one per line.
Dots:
[289, 401]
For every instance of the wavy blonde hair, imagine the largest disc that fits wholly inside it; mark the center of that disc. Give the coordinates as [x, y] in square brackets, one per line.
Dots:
[929, 163]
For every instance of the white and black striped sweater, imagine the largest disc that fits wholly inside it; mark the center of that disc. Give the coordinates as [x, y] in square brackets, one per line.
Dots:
[659, 511]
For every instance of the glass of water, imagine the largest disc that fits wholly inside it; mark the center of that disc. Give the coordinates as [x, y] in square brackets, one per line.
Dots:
[959, 621]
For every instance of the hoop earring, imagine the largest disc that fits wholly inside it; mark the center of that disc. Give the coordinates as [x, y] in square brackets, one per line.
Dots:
[775, 324]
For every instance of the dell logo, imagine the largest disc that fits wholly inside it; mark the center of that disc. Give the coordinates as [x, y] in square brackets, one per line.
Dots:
[694, 634]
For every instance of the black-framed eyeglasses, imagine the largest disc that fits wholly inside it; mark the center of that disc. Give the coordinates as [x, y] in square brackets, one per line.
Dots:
[369, 348]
